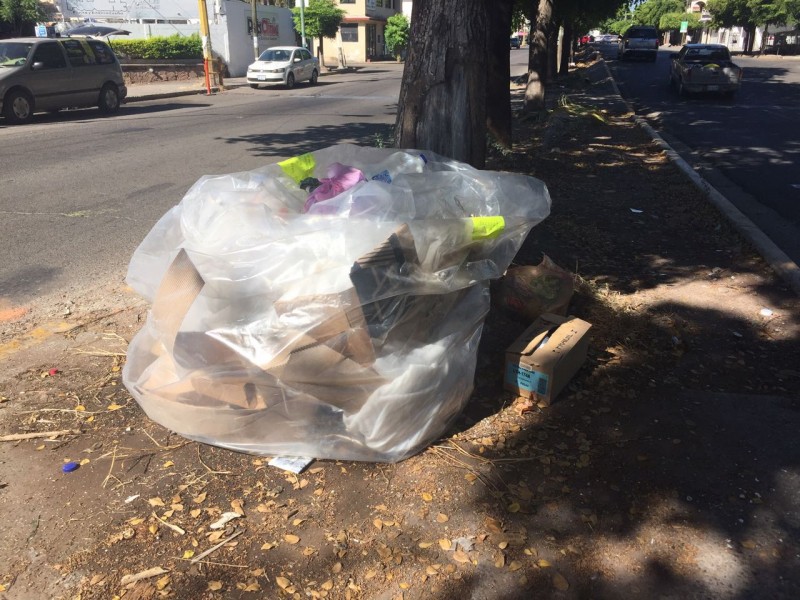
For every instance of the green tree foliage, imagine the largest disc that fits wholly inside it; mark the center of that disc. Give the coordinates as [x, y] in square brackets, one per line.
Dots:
[750, 14]
[321, 18]
[673, 21]
[753, 13]
[21, 15]
[396, 33]
[651, 11]
[619, 22]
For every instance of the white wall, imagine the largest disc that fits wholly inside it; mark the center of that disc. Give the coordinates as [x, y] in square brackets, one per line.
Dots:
[232, 40]
[231, 37]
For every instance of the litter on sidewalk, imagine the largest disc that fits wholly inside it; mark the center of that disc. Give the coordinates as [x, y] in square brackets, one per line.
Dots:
[542, 360]
[329, 305]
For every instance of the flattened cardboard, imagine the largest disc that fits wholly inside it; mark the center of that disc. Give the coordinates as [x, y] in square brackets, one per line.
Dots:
[338, 322]
[374, 277]
[546, 356]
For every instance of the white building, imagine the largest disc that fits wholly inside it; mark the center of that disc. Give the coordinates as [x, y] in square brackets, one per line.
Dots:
[229, 23]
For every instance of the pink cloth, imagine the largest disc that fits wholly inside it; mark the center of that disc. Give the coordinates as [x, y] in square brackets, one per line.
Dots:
[340, 178]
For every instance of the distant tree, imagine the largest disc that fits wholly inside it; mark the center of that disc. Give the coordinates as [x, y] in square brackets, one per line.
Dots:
[545, 17]
[22, 15]
[651, 11]
[670, 21]
[396, 34]
[321, 19]
[750, 14]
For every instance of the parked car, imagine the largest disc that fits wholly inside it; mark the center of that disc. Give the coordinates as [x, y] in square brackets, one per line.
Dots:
[705, 68]
[285, 65]
[49, 74]
[515, 42]
[639, 41]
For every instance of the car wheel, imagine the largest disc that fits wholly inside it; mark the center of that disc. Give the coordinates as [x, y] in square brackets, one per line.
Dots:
[290, 81]
[18, 107]
[109, 99]
[254, 86]
[314, 77]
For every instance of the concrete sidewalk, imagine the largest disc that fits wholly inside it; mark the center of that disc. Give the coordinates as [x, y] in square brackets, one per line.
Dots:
[187, 87]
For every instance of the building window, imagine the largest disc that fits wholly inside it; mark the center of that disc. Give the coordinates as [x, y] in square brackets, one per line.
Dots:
[349, 32]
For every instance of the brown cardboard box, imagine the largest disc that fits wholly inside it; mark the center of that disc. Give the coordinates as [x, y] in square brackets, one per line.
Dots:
[545, 357]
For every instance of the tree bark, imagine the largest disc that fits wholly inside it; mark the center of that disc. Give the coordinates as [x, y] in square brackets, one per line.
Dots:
[498, 90]
[442, 104]
[567, 43]
[552, 53]
[541, 22]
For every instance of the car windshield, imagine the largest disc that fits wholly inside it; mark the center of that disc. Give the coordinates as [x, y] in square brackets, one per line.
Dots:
[275, 55]
[14, 54]
[641, 33]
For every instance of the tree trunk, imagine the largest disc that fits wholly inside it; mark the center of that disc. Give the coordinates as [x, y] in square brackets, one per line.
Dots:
[537, 56]
[567, 42]
[751, 39]
[442, 104]
[498, 89]
[552, 53]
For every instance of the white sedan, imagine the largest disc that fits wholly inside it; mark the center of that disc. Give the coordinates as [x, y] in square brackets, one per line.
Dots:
[283, 65]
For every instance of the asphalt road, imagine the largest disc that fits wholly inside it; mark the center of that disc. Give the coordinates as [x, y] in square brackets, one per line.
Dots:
[79, 192]
[745, 148]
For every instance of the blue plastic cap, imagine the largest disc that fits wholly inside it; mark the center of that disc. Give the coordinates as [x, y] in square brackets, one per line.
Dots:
[70, 467]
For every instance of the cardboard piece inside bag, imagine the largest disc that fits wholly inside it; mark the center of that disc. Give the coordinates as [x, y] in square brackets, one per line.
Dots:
[306, 365]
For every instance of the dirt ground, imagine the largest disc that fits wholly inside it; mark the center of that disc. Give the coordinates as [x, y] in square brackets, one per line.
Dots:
[669, 467]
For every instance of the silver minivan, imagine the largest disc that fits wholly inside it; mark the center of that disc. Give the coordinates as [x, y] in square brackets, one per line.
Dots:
[48, 74]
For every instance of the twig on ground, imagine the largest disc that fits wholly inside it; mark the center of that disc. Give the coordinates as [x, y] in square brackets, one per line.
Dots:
[202, 555]
[147, 574]
[99, 353]
[174, 528]
[210, 470]
[15, 437]
[111, 468]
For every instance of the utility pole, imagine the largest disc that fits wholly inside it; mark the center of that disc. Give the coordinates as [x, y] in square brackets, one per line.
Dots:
[302, 23]
[206, 39]
[254, 18]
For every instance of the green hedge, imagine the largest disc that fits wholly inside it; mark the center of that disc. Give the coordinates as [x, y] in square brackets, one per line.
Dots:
[156, 48]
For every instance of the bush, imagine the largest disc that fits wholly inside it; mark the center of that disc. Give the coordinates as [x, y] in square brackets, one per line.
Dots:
[159, 48]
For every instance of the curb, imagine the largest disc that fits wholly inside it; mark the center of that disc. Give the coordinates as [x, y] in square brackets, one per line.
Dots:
[784, 266]
[184, 92]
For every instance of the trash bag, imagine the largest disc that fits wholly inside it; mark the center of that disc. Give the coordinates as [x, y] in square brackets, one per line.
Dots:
[306, 309]
[529, 291]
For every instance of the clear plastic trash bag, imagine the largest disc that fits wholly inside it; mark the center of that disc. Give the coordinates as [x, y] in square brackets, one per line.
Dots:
[342, 328]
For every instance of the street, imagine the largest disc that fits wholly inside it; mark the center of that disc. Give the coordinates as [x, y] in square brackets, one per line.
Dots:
[740, 146]
[80, 192]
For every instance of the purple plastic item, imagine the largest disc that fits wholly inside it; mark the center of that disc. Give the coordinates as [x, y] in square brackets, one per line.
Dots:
[340, 178]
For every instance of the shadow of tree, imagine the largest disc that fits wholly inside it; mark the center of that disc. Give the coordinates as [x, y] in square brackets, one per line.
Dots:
[313, 138]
